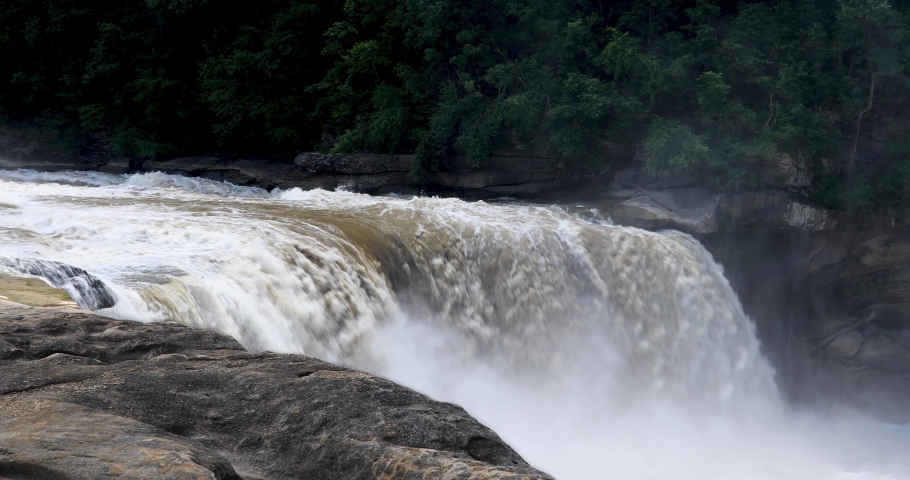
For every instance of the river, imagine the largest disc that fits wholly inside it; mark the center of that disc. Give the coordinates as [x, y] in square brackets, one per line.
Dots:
[597, 351]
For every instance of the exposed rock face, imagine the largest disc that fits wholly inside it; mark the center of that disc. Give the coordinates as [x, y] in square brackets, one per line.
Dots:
[845, 345]
[57, 440]
[85, 397]
[375, 173]
[701, 211]
[34, 292]
[21, 149]
[787, 171]
[687, 209]
[357, 164]
[257, 172]
[803, 273]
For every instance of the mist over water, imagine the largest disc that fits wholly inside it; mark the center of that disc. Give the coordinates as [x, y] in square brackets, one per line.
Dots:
[596, 351]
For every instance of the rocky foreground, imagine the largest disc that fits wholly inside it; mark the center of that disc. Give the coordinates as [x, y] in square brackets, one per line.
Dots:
[87, 397]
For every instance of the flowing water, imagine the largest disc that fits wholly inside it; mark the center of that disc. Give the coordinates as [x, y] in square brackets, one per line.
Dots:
[596, 351]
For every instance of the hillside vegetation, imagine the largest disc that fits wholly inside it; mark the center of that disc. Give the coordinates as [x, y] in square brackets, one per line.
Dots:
[713, 88]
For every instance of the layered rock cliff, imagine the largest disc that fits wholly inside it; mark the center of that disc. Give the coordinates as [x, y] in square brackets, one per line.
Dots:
[828, 291]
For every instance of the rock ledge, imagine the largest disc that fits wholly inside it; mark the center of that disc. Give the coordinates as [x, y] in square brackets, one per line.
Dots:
[87, 397]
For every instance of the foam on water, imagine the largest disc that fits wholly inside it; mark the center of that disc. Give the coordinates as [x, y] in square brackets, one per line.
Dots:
[597, 351]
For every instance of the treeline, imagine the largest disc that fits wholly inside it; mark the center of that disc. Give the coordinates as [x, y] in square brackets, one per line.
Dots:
[712, 87]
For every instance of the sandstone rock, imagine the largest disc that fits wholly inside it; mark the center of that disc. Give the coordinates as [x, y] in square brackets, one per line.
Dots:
[870, 331]
[32, 291]
[691, 210]
[787, 170]
[54, 440]
[9, 351]
[87, 290]
[882, 354]
[876, 347]
[701, 211]
[197, 403]
[844, 346]
[239, 170]
[354, 164]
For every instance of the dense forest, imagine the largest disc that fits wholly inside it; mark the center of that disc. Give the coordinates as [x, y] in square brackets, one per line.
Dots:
[712, 87]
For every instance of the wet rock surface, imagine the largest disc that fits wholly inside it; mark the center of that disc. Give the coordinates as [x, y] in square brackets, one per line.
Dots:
[86, 397]
[87, 290]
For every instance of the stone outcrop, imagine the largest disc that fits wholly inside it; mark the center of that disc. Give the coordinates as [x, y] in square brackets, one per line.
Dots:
[377, 173]
[86, 397]
[701, 211]
[357, 164]
[804, 273]
[257, 172]
[33, 291]
[22, 149]
[687, 209]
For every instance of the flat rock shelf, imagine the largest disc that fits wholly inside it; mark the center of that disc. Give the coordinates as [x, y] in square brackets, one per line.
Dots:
[88, 397]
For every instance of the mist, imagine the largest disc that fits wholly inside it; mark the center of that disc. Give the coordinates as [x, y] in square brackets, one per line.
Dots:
[590, 419]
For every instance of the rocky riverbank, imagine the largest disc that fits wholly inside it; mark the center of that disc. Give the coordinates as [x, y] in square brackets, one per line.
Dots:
[87, 397]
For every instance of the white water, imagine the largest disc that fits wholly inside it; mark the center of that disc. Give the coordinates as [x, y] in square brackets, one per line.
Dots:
[595, 351]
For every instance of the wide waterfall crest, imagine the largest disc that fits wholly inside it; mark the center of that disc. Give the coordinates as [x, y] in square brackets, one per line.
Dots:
[318, 272]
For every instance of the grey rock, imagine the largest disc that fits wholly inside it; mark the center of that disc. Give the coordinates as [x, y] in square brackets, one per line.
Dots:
[692, 210]
[787, 170]
[53, 440]
[870, 331]
[883, 354]
[161, 400]
[354, 164]
[700, 211]
[844, 346]
[256, 172]
[9, 351]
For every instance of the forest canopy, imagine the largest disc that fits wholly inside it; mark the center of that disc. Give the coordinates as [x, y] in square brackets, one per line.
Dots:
[708, 87]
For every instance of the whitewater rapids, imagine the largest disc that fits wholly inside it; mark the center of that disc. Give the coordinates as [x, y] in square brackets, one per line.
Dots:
[596, 351]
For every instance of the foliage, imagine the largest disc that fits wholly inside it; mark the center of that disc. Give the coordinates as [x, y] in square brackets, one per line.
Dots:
[713, 87]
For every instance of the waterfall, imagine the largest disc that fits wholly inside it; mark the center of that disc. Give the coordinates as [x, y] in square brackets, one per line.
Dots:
[530, 298]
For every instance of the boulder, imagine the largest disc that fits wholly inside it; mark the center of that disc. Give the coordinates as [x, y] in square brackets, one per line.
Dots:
[701, 211]
[91, 397]
[845, 345]
[688, 209]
